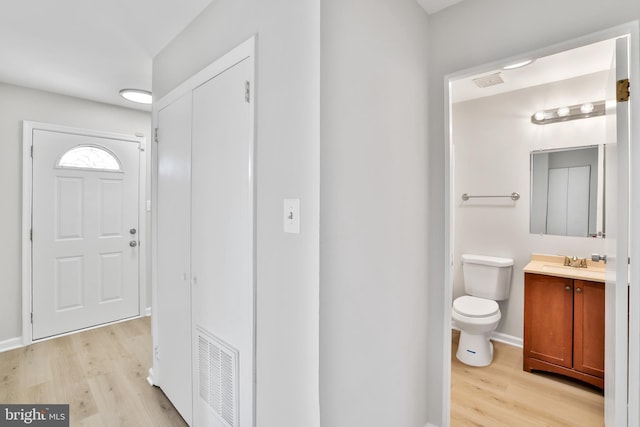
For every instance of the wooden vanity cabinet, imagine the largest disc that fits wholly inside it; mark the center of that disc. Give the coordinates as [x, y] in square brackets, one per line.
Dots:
[588, 338]
[564, 327]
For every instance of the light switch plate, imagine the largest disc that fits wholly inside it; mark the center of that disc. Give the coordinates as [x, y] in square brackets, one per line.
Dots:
[292, 216]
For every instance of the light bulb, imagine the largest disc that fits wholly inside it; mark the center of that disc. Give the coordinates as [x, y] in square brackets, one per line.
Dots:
[563, 111]
[587, 108]
[540, 115]
[517, 64]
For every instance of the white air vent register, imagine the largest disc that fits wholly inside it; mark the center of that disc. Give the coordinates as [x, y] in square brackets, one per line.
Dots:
[218, 377]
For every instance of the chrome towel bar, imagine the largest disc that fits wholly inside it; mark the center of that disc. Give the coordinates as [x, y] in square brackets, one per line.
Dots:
[513, 196]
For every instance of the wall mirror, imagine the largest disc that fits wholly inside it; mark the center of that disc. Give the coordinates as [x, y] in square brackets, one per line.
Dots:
[567, 192]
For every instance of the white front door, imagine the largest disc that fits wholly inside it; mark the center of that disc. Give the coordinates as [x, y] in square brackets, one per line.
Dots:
[84, 231]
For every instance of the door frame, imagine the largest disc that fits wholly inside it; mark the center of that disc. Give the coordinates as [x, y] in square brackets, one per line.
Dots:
[28, 128]
[632, 30]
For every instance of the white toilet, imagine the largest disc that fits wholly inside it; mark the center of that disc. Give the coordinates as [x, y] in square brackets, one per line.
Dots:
[486, 280]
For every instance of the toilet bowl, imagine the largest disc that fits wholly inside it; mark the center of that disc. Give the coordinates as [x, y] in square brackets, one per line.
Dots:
[486, 280]
[476, 318]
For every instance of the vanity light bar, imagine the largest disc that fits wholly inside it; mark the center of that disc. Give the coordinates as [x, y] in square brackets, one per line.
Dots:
[572, 112]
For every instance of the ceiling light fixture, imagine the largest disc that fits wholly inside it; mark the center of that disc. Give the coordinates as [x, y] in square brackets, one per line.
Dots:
[518, 64]
[572, 112]
[137, 95]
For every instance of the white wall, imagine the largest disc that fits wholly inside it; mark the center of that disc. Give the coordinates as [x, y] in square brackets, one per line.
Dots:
[373, 308]
[466, 35]
[493, 138]
[374, 209]
[18, 104]
[287, 163]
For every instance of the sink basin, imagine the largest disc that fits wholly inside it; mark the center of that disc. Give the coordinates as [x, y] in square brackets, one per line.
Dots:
[553, 265]
[560, 269]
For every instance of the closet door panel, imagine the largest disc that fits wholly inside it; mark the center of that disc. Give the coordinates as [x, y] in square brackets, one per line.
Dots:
[222, 249]
[173, 263]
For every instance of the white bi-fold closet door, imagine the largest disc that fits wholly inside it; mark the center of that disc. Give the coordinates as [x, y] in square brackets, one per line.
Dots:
[171, 312]
[204, 272]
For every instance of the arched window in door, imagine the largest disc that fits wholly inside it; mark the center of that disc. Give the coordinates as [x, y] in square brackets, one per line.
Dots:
[90, 157]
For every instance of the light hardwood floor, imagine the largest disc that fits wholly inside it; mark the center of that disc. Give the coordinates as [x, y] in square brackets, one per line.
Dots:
[502, 394]
[100, 373]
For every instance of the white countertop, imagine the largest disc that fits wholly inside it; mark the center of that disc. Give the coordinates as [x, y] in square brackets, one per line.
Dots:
[553, 265]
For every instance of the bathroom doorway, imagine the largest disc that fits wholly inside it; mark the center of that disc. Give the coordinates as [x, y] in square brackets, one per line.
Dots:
[492, 133]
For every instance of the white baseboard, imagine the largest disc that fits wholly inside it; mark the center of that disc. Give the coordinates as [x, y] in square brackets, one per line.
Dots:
[507, 339]
[430, 425]
[11, 344]
[500, 337]
[150, 377]
[148, 311]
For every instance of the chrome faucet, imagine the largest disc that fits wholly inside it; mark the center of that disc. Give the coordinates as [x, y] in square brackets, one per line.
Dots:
[575, 262]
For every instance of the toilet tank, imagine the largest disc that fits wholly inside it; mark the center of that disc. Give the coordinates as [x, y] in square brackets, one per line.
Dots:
[487, 276]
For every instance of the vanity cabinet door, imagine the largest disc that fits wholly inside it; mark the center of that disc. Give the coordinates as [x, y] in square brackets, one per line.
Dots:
[588, 352]
[548, 320]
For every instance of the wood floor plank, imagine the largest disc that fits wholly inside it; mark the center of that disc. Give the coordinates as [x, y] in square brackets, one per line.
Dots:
[101, 373]
[502, 394]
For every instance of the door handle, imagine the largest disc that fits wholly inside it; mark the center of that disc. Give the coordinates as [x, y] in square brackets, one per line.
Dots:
[133, 243]
[133, 231]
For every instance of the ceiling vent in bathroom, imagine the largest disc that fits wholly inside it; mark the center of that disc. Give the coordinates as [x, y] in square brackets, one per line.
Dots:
[490, 80]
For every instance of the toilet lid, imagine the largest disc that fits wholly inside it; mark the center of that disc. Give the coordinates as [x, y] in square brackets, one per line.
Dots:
[475, 307]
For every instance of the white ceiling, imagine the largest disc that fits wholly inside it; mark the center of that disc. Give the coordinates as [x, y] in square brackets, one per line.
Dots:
[92, 49]
[88, 49]
[433, 6]
[561, 66]
[573, 63]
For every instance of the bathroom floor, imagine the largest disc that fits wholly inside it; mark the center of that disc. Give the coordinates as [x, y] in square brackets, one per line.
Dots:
[502, 394]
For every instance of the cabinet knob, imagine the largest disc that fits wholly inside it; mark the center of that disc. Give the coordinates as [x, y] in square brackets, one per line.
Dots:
[567, 288]
[579, 290]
